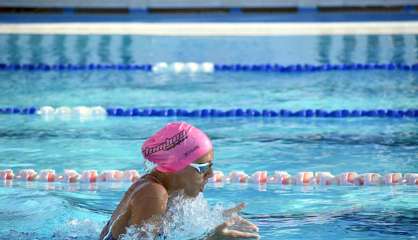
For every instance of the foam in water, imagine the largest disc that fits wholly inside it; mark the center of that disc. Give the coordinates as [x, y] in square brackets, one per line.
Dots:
[78, 229]
[186, 218]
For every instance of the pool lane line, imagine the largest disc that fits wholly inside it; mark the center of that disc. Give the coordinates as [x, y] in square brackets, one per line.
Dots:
[215, 29]
[98, 112]
[258, 177]
[208, 67]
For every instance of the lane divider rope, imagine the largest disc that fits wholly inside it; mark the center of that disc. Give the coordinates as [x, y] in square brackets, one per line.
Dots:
[208, 67]
[258, 177]
[91, 112]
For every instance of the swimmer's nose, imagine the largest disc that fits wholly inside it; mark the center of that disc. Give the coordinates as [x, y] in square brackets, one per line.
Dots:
[209, 174]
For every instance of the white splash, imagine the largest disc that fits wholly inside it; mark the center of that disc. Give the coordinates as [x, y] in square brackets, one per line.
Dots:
[78, 229]
[186, 218]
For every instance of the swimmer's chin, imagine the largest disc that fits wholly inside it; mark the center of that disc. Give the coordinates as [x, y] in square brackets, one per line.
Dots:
[193, 195]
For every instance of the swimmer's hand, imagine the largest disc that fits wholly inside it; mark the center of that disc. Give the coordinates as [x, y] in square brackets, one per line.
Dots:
[235, 227]
[229, 230]
[234, 211]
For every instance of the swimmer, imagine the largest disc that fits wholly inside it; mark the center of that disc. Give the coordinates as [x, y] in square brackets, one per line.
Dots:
[183, 156]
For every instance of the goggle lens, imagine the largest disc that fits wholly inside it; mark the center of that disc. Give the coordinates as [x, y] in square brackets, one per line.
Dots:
[201, 167]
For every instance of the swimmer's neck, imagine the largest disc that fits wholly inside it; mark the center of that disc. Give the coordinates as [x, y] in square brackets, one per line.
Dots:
[169, 181]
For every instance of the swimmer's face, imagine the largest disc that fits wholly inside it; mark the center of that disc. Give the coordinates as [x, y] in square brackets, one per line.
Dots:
[194, 181]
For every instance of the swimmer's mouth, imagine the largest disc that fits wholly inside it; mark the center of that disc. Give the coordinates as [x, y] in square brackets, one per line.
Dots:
[203, 186]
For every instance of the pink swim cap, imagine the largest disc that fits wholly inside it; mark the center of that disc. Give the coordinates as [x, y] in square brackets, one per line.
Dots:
[175, 146]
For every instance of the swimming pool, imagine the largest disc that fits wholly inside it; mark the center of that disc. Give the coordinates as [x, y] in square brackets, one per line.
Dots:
[382, 145]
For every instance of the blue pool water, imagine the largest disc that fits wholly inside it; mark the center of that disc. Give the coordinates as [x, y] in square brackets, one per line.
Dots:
[60, 211]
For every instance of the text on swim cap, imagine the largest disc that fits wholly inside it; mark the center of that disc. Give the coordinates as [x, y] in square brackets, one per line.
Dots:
[168, 144]
[191, 150]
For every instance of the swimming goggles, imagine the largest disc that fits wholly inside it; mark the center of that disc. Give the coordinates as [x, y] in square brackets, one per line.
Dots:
[202, 167]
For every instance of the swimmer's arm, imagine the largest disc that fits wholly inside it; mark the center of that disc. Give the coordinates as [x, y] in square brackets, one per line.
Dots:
[149, 204]
[145, 208]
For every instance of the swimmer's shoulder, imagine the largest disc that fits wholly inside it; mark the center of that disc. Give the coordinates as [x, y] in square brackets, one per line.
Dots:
[145, 182]
[149, 200]
[149, 189]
